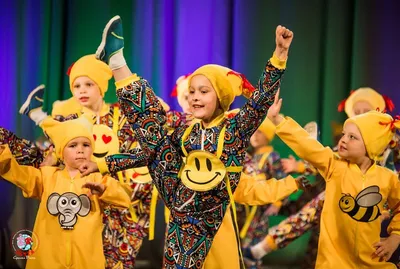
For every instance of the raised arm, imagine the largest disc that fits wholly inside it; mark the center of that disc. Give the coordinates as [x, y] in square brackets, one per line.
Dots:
[27, 178]
[262, 98]
[298, 139]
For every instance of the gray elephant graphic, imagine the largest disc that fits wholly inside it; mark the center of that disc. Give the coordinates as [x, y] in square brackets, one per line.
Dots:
[67, 206]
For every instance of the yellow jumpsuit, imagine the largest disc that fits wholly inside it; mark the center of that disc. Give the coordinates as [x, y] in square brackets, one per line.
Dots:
[77, 246]
[350, 222]
[251, 191]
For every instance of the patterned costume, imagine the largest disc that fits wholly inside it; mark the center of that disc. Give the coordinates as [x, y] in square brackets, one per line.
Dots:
[195, 216]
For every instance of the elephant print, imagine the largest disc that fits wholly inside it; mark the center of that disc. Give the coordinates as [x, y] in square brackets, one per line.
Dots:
[68, 206]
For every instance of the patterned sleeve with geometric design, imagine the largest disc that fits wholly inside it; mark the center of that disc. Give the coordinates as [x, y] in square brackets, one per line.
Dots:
[24, 151]
[251, 115]
[195, 216]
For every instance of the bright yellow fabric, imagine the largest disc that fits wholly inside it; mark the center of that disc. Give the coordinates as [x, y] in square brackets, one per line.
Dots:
[79, 248]
[344, 242]
[377, 131]
[267, 128]
[226, 85]
[66, 107]
[63, 132]
[224, 250]
[96, 70]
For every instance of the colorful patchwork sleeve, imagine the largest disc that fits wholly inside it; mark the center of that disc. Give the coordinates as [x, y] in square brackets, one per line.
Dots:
[251, 115]
[273, 166]
[24, 151]
[147, 118]
[27, 178]
[175, 119]
[298, 224]
[123, 161]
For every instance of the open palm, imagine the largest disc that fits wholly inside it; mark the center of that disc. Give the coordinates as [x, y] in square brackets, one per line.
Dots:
[274, 110]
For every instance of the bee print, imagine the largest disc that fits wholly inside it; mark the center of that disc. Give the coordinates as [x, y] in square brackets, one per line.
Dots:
[364, 207]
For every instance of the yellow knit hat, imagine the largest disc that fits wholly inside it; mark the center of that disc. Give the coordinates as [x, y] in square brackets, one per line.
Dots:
[377, 130]
[63, 132]
[92, 68]
[66, 107]
[369, 95]
[227, 83]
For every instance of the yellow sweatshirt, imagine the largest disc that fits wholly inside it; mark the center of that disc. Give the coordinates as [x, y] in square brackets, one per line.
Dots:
[251, 191]
[350, 222]
[64, 203]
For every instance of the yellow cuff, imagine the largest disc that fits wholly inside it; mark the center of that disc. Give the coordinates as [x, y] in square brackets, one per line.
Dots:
[275, 61]
[278, 204]
[282, 124]
[395, 232]
[102, 165]
[126, 81]
[301, 167]
[270, 242]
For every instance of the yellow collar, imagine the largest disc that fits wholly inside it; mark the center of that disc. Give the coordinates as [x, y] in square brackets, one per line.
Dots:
[355, 168]
[66, 174]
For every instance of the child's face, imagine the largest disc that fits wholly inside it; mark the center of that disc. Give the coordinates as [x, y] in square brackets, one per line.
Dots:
[351, 145]
[86, 92]
[77, 152]
[258, 139]
[362, 107]
[203, 100]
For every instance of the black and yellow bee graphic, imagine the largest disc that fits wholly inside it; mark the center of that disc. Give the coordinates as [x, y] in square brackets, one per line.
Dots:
[364, 208]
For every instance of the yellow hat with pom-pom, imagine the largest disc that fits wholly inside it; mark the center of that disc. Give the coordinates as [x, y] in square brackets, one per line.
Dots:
[377, 130]
[227, 83]
[377, 101]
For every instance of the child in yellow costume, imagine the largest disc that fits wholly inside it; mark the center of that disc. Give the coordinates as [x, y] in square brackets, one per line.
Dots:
[69, 221]
[356, 189]
[360, 101]
[256, 187]
[124, 230]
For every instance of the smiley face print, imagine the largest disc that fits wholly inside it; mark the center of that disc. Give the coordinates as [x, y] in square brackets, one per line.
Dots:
[203, 171]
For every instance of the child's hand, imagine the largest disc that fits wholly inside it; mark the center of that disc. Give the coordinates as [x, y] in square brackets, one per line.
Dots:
[51, 159]
[273, 111]
[88, 168]
[289, 165]
[188, 117]
[385, 248]
[272, 210]
[283, 39]
[95, 188]
[303, 183]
